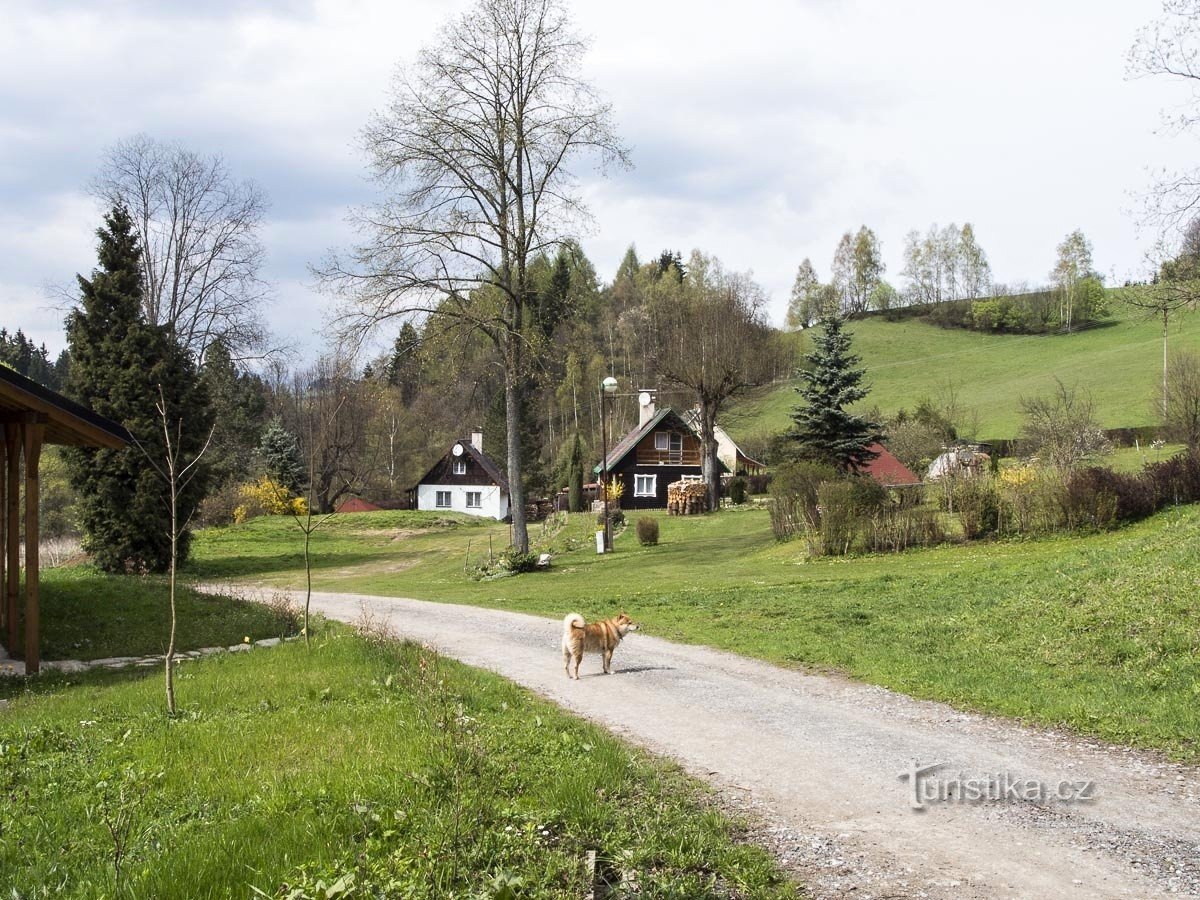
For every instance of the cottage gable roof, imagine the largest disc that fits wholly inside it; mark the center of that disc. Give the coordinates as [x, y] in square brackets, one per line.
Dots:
[627, 444]
[887, 469]
[485, 462]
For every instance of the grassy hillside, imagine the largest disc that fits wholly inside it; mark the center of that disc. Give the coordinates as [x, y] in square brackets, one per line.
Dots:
[1119, 362]
[1097, 632]
[363, 768]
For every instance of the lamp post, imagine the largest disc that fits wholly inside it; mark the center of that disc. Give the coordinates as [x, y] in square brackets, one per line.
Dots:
[608, 387]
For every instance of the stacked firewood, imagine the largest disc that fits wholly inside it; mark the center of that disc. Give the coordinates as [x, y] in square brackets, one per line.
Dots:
[687, 498]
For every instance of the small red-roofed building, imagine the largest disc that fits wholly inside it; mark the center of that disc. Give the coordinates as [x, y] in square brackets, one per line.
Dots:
[887, 470]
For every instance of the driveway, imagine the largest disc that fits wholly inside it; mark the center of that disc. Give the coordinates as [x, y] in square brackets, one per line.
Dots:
[818, 759]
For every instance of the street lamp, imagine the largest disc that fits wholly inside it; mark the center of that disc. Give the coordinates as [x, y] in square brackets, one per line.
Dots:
[608, 387]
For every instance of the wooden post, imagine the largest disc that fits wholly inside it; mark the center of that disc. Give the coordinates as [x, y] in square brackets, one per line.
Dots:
[34, 432]
[3, 541]
[12, 443]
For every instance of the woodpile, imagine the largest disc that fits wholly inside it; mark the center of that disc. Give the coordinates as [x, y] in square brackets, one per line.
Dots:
[687, 498]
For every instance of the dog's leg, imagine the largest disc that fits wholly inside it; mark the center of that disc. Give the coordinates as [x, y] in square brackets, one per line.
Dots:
[608, 661]
[578, 659]
[567, 660]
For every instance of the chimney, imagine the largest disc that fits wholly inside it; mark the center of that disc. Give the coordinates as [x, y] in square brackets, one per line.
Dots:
[477, 440]
[645, 407]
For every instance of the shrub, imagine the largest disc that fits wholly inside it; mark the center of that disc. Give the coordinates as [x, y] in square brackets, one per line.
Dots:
[1175, 480]
[758, 484]
[1098, 497]
[267, 497]
[219, 507]
[897, 528]
[793, 498]
[841, 517]
[977, 505]
[647, 531]
[517, 562]
[737, 491]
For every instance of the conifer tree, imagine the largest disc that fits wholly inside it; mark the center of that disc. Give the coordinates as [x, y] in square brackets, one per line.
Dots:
[280, 454]
[575, 476]
[118, 363]
[825, 431]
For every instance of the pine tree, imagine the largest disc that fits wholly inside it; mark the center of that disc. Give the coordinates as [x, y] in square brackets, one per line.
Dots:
[280, 454]
[118, 363]
[824, 430]
[403, 370]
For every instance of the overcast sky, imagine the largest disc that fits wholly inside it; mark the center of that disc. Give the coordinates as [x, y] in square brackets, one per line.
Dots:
[760, 130]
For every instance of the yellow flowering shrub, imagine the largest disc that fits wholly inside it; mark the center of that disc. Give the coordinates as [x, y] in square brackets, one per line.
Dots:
[267, 497]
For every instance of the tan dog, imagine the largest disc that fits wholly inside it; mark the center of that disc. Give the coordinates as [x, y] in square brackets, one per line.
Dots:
[601, 637]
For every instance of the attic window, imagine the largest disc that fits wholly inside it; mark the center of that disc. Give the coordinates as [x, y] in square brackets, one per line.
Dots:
[668, 440]
[459, 467]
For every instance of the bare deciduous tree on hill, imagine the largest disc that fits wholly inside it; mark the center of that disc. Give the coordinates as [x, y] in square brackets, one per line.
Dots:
[475, 150]
[201, 253]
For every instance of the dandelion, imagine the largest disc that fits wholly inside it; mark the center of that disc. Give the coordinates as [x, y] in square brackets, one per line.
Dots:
[246, 639]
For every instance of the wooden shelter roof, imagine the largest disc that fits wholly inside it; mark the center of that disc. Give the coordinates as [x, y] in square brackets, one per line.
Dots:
[66, 421]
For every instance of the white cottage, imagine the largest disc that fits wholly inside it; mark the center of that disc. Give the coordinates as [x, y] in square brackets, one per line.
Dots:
[465, 480]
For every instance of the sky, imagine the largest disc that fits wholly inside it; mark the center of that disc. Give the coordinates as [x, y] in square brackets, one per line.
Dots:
[760, 131]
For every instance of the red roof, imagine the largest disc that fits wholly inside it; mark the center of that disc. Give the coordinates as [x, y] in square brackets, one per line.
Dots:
[357, 504]
[888, 470]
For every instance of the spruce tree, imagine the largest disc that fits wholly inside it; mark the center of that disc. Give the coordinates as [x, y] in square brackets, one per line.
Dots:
[824, 430]
[280, 454]
[238, 404]
[118, 363]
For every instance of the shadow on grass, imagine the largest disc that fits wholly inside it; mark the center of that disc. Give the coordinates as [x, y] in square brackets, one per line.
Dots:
[51, 681]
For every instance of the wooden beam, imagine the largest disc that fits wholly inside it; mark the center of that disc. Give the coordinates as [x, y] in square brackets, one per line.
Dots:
[34, 435]
[12, 443]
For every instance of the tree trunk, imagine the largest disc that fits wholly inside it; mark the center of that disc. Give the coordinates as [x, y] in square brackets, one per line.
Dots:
[709, 464]
[169, 659]
[1166, 331]
[512, 414]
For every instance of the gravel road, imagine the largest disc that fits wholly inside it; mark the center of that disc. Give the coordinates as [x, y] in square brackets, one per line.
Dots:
[817, 762]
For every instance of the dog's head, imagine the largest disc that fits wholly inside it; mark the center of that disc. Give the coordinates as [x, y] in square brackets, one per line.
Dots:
[625, 624]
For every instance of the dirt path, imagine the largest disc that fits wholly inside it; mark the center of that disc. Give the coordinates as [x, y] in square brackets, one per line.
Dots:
[819, 759]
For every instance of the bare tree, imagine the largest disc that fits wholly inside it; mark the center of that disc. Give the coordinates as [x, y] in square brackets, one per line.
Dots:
[177, 472]
[201, 254]
[711, 338]
[1062, 428]
[474, 150]
[1182, 412]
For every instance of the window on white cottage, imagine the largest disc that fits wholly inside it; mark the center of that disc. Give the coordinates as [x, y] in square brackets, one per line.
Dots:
[443, 499]
[459, 467]
[645, 485]
[474, 499]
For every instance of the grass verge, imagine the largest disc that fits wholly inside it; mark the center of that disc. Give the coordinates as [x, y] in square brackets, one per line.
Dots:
[88, 615]
[371, 766]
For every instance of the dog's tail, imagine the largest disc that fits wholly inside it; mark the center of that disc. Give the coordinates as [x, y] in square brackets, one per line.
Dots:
[574, 620]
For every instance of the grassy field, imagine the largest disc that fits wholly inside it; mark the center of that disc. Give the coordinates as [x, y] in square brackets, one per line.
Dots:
[364, 764]
[1119, 362]
[87, 615]
[1095, 632]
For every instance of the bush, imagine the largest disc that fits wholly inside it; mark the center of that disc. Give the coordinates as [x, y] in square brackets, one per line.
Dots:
[1097, 497]
[517, 562]
[647, 531]
[219, 507]
[893, 529]
[840, 518]
[737, 491]
[615, 515]
[1175, 480]
[976, 504]
[758, 484]
[793, 498]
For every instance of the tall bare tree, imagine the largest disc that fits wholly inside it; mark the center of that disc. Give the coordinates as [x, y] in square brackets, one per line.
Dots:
[201, 253]
[711, 339]
[475, 150]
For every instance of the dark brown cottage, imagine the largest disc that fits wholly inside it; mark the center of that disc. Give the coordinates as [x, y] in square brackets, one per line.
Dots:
[662, 449]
